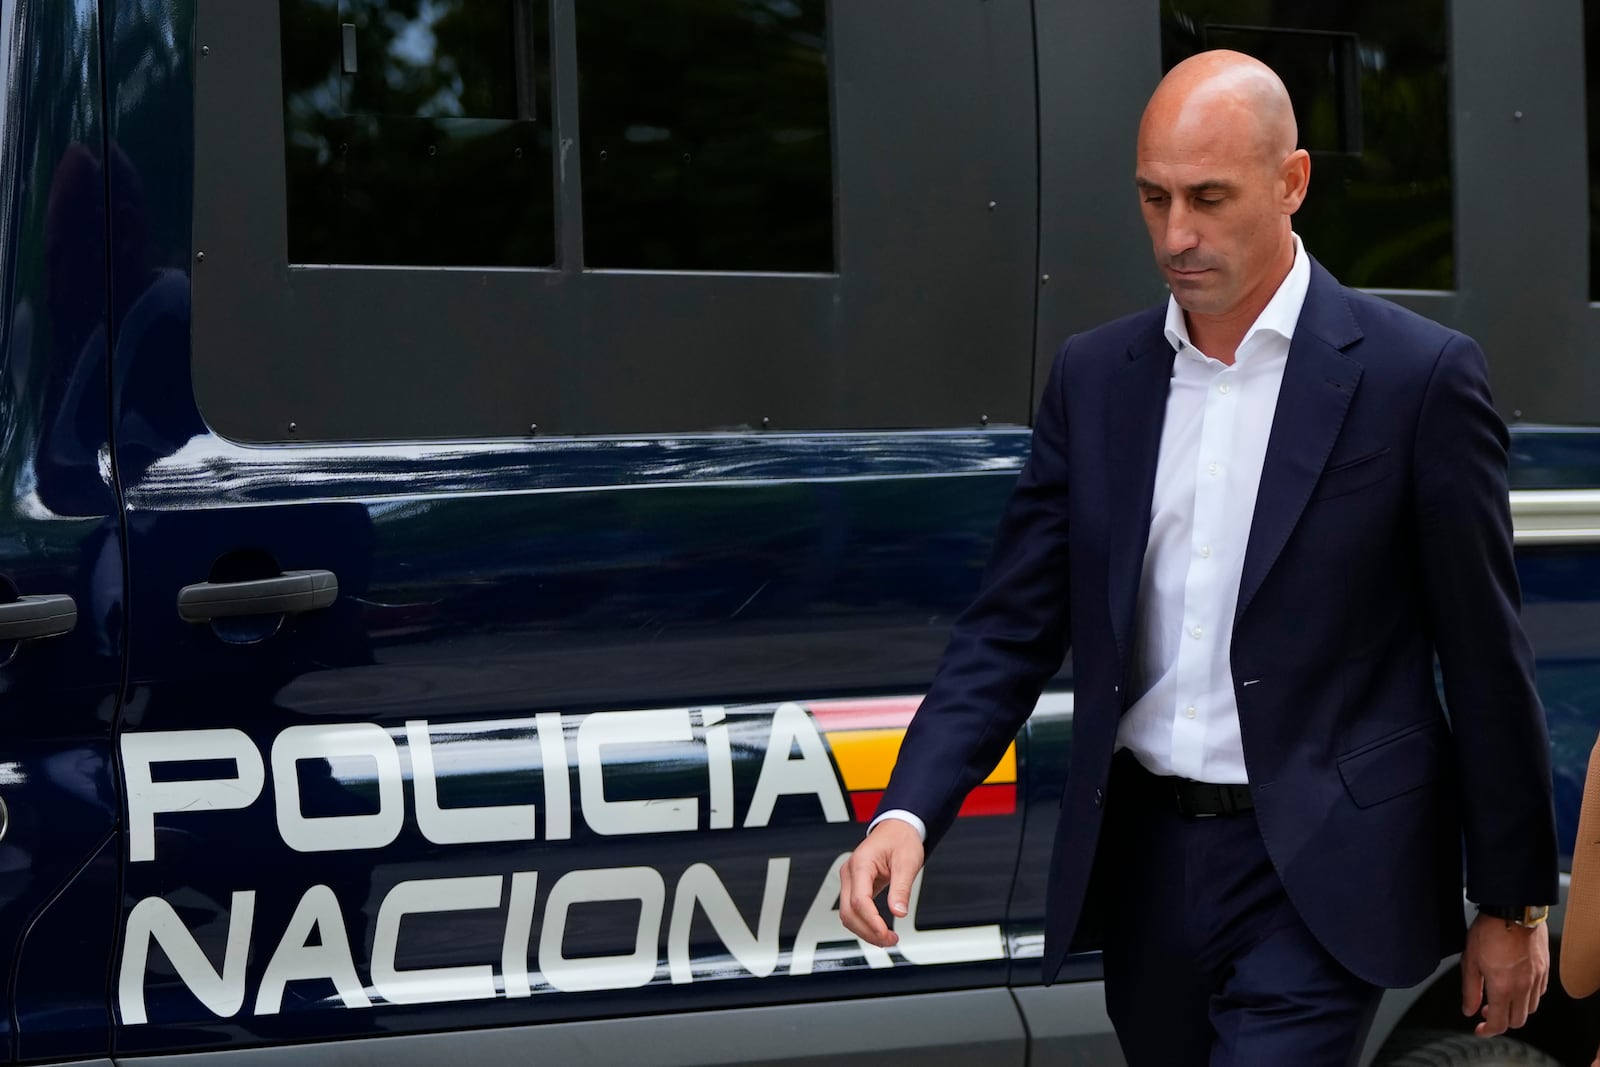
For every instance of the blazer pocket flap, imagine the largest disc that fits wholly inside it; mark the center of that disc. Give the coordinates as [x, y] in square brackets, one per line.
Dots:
[1397, 764]
[1358, 473]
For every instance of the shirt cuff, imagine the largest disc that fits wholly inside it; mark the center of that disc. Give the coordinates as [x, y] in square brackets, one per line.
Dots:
[905, 817]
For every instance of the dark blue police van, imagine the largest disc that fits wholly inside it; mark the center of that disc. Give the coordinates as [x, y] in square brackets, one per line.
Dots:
[489, 479]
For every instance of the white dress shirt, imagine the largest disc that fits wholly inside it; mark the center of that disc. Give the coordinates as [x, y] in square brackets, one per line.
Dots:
[1213, 445]
[1185, 720]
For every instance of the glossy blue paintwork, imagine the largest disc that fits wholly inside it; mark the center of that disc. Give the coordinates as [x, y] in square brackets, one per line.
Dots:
[58, 534]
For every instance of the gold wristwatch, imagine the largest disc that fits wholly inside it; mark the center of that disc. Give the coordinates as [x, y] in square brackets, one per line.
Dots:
[1529, 915]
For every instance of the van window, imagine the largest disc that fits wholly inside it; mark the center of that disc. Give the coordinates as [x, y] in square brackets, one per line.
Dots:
[706, 135]
[1370, 85]
[414, 132]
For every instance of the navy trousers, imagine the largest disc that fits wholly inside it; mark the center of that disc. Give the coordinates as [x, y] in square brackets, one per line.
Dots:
[1206, 961]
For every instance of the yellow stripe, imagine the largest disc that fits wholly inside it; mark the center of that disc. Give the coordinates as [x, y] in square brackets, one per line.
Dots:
[865, 758]
[1005, 771]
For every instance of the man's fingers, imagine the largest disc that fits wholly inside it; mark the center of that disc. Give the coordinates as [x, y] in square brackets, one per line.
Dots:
[901, 875]
[1471, 986]
[858, 886]
[1517, 1007]
[1496, 1014]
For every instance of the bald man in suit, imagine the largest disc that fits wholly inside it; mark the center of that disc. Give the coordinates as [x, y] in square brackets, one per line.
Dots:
[1257, 515]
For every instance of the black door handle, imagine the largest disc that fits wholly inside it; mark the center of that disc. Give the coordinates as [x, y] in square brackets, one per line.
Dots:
[288, 594]
[37, 616]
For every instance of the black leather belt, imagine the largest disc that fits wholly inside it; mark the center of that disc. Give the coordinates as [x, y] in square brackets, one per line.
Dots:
[1201, 800]
[1194, 800]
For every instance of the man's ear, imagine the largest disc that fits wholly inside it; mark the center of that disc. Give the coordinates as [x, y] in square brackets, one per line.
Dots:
[1295, 176]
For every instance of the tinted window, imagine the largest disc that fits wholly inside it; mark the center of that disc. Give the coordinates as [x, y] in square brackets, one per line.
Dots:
[1370, 84]
[414, 132]
[706, 138]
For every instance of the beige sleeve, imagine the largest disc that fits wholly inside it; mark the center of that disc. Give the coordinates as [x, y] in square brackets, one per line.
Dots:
[1580, 939]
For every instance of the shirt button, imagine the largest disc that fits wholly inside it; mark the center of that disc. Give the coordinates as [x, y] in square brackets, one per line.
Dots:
[1195, 633]
[1205, 551]
[1189, 712]
[1211, 468]
[1224, 388]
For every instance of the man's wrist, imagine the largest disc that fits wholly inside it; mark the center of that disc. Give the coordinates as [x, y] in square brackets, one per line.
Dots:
[904, 816]
[1527, 916]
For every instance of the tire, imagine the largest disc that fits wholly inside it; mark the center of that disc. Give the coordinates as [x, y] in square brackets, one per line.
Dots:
[1441, 1048]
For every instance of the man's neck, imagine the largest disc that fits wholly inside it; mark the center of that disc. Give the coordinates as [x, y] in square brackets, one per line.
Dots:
[1219, 336]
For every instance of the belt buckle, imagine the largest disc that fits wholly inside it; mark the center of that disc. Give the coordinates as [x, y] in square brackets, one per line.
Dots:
[1184, 809]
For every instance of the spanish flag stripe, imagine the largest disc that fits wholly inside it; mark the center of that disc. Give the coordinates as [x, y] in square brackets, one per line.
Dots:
[989, 800]
[1006, 769]
[865, 804]
[865, 757]
[863, 714]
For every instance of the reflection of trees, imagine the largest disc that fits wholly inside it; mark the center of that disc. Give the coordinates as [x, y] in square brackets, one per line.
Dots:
[705, 134]
[1382, 219]
[705, 125]
[419, 156]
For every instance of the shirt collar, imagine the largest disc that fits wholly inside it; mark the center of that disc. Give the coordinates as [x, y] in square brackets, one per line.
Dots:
[1279, 316]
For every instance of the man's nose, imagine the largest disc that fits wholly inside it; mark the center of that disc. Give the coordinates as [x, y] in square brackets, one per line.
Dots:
[1180, 235]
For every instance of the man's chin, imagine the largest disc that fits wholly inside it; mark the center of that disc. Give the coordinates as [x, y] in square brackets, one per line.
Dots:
[1195, 299]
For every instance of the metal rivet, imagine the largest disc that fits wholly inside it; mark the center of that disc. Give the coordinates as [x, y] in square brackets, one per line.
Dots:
[433, 150]
[1516, 413]
[602, 155]
[991, 205]
[294, 427]
[533, 428]
[765, 422]
[199, 257]
[1517, 115]
[205, 50]
[518, 153]
[983, 420]
[1045, 280]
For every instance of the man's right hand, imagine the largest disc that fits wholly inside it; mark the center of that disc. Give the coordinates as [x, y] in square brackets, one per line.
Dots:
[890, 856]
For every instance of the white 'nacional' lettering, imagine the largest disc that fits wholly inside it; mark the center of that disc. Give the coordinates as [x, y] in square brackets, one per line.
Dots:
[297, 959]
[153, 919]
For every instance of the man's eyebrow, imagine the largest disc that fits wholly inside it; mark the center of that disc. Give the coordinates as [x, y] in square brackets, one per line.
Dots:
[1212, 185]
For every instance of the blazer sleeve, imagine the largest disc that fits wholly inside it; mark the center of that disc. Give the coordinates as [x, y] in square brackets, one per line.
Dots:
[1469, 575]
[1006, 644]
[1580, 938]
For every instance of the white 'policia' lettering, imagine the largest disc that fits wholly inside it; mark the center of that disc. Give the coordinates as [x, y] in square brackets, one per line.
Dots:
[370, 747]
[315, 943]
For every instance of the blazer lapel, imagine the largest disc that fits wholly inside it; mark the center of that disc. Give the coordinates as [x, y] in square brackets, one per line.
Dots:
[1319, 381]
[1136, 410]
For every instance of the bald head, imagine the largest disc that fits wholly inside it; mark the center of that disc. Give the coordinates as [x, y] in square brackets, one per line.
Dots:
[1224, 96]
[1219, 177]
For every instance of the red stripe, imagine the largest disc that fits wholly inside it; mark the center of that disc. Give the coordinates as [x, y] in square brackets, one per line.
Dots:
[865, 804]
[990, 800]
[984, 800]
[864, 714]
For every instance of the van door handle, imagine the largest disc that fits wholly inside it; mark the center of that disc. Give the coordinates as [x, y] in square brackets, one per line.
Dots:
[288, 594]
[37, 616]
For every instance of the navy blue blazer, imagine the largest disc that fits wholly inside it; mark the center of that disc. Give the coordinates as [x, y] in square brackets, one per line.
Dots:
[1381, 539]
